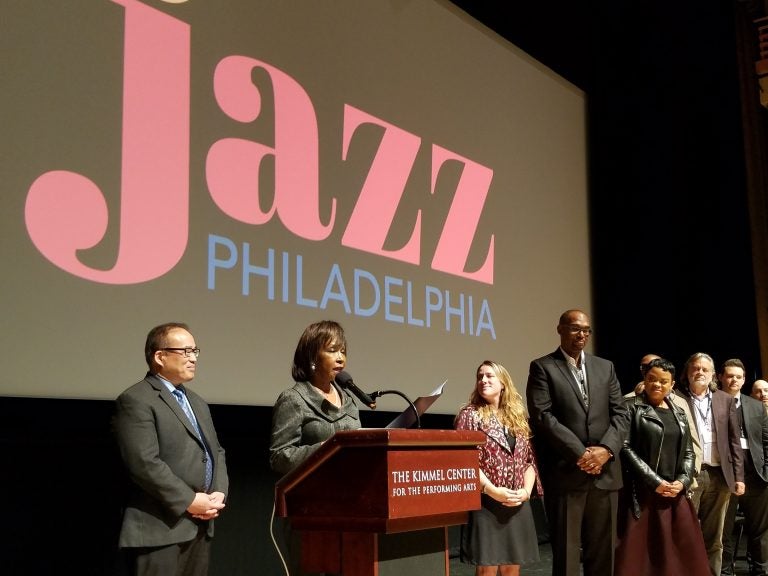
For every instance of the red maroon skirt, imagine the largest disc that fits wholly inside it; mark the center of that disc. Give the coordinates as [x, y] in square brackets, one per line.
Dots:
[665, 541]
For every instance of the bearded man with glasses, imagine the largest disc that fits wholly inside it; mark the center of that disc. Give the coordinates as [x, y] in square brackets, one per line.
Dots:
[173, 458]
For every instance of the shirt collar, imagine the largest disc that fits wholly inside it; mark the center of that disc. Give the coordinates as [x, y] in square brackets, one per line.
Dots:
[171, 388]
[577, 363]
[706, 394]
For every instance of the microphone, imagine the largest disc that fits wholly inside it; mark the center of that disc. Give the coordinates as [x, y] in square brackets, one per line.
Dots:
[344, 379]
[417, 418]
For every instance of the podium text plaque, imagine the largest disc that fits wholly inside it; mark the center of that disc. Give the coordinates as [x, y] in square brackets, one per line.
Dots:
[372, 502]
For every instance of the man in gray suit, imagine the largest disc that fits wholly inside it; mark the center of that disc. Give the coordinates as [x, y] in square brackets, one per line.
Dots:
[754, 502]
[579, 425]
[172, 454]
[722, 468]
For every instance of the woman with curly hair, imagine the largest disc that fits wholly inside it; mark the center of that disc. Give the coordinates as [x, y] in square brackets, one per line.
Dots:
[501, 535]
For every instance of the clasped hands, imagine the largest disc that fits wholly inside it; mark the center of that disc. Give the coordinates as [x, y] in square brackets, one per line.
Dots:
[507, 496]
[669, 489]
[206, 506]
[593, 459]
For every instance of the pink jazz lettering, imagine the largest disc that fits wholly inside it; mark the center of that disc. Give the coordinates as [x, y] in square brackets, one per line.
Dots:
[383, 188]
[463, 218]
[233, 164]
[66, 212]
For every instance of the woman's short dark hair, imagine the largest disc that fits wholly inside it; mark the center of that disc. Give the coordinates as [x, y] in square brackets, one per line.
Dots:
[662, 363]
[315, 337]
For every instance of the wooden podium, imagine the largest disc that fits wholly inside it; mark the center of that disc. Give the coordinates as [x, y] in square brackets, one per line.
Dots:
[377, 502]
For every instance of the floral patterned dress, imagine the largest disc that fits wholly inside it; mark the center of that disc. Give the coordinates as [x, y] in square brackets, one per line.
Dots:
[497, 535]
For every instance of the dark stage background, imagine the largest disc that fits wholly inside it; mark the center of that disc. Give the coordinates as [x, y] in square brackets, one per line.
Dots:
[672, 273]
[672, 257]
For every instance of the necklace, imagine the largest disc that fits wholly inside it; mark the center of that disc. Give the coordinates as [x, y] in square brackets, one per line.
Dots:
[331, 395]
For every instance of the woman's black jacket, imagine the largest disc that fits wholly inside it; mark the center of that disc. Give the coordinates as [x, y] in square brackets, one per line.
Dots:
[642, 448]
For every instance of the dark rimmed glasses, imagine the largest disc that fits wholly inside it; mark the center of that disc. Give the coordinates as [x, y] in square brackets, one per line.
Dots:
[579, 329]
[187, 352]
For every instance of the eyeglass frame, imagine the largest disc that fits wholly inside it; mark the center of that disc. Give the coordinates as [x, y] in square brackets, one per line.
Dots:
[186, 352]
[578, 329]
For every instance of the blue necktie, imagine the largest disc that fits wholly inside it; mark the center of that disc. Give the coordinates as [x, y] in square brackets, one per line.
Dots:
[181, 397]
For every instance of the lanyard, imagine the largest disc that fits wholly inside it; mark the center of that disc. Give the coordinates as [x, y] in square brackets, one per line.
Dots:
[704, 415]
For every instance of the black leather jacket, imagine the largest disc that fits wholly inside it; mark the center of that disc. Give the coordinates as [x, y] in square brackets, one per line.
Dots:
[642, 449]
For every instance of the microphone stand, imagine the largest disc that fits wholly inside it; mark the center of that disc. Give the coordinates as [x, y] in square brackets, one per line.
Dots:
[378, 393]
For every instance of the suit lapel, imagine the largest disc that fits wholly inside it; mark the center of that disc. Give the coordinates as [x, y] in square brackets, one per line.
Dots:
[720, 411]
[315, 403]
[173, 404]
[496, 433]
[752, 425]
[200, 409]
[562, 364]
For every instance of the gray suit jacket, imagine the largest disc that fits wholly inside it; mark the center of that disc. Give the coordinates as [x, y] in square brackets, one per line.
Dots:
[755, 422]
[564, 426]
[165, 461]
[302, 420]
[727, 434]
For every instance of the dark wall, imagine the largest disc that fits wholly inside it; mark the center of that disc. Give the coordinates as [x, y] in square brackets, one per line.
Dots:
[65, 485]
[670, 239]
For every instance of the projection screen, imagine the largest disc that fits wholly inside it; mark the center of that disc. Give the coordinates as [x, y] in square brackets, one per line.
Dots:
[252, 167]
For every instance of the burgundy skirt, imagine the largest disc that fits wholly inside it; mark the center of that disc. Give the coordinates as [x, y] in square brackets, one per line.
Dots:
[665, 541]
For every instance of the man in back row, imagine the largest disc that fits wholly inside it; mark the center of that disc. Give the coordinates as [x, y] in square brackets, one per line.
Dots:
[722, 468]
[760, 392]
[754, 503]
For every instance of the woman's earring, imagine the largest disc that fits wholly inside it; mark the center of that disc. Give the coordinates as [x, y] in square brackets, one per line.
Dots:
[312, 366]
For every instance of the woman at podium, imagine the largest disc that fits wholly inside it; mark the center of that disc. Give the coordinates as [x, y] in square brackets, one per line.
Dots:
[310, 412]
[315, 408]
[501, 535]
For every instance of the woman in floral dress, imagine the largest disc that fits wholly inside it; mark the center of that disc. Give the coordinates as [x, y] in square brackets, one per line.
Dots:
[501, 535]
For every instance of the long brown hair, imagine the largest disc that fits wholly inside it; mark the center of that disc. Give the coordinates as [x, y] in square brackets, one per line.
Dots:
[511, 411]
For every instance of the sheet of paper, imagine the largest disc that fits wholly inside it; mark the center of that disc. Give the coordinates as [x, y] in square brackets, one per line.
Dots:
[407, 418]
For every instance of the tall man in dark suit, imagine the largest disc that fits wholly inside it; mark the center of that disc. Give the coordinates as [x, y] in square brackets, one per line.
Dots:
[579, 425]
[754, 502]
[174, 460]
[722, 468]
